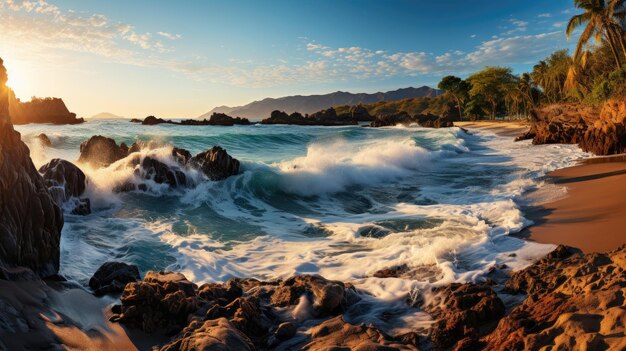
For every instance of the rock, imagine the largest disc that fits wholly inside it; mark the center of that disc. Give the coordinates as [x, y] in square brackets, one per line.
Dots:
[601, 131]
[135, 120]
[280, 117]
[575, 301]
[45, 141]
[151, 120]
[31, 224]
[285, 331]
[337, 334]
[181, 156]
[359, 113]
[462, 311]
[112, 277]
[64, 174]
[100, 151]
[432, 121]
[216, 164]
[38, 110]
[218, 334]
[221, 119]
[161, 173]
[163, 300]
[66, 184]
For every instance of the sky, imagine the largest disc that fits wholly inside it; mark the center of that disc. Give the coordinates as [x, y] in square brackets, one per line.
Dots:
[182, 58]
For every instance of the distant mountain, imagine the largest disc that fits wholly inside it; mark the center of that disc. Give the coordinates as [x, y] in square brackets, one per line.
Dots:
[313, 103]
[107, 115]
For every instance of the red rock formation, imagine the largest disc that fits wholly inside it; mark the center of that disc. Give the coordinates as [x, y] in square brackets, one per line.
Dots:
[601, 131]
[575, 302]
[47, 110]
[30, 221]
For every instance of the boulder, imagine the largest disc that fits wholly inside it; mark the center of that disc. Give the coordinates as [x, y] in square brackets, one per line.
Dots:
[216, 164]
[217, 334]
[161, 173]
[151, 120]
[44, 140]
[337, 334]
[462, 311]
[112, 277]
[432, 121]
[66, 184]
[30, 229]
[181, 156]
[100, 151]
[221, 119]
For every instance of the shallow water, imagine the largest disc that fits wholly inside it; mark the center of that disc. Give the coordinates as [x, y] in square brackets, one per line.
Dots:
[343, 202]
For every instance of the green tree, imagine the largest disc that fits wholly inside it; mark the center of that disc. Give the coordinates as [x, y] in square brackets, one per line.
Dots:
[492, 85]
[550, 75]
[457, 89]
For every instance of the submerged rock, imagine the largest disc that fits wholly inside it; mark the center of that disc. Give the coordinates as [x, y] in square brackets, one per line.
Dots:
[45, 141]
[100, 151]
[31, 222]
[112, 277]
[216, 164]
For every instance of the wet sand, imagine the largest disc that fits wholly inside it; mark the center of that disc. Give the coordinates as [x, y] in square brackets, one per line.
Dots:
[592, 216]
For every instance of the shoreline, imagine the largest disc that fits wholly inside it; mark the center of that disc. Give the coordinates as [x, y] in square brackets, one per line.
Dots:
[592, 213]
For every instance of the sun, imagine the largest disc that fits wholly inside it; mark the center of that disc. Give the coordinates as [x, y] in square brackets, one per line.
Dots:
[17, 78]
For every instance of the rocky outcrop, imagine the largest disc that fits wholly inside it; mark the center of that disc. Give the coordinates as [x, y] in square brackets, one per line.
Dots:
[47, 110]
[112, 277]
[215, 163]
[161, 173]
[601, 131]
[31, 222]
[100, 151]
[44, 140]
[574, 301]
[327, 117]
[359, 113]
[247, 309]
[215, 334]
[462, 312]
[66, 183]
[216, 119]
[403, 118]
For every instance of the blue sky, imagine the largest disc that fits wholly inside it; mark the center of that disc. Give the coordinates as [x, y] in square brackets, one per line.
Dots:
[180, 59]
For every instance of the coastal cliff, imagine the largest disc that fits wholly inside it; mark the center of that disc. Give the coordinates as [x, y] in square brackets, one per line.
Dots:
[31, 223]
[46, 110]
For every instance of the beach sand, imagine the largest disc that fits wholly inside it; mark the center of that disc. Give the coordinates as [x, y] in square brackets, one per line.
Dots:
[503, 128]
[592, 216]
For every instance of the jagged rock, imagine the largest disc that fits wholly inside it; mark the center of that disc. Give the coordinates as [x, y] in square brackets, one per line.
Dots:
[100, 151]
[64, 174]
[66, 184]
[163, 300]
[112, 277]
[462, 311]
[337, 334]
[181, 156]
[45, 141]
[601, 131]
[216, 164]
[280, 117]
[161, 173]
[221, 119]
[31, 224]
[574, 301]
[432, 121]
[46, 110]
[218, 334]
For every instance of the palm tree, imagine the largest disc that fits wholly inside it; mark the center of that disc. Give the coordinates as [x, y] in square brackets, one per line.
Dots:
[602, 21]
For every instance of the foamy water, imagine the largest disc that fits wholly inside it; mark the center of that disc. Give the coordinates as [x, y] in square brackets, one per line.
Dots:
[343, 202]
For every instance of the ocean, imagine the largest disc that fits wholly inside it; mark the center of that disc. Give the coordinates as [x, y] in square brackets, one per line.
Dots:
[342, 202]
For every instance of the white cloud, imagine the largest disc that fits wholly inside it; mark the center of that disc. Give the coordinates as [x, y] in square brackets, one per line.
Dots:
[169, 36]
[544, 15]
[559, 24]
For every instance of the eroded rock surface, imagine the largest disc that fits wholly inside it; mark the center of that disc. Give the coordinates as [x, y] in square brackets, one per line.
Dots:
[101, 151]
[574, 301]
[216, 163]
[66, 183]
[31, 222]
[112, 277]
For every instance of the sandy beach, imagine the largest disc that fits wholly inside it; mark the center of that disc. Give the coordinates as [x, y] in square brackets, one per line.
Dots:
[504, 128]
